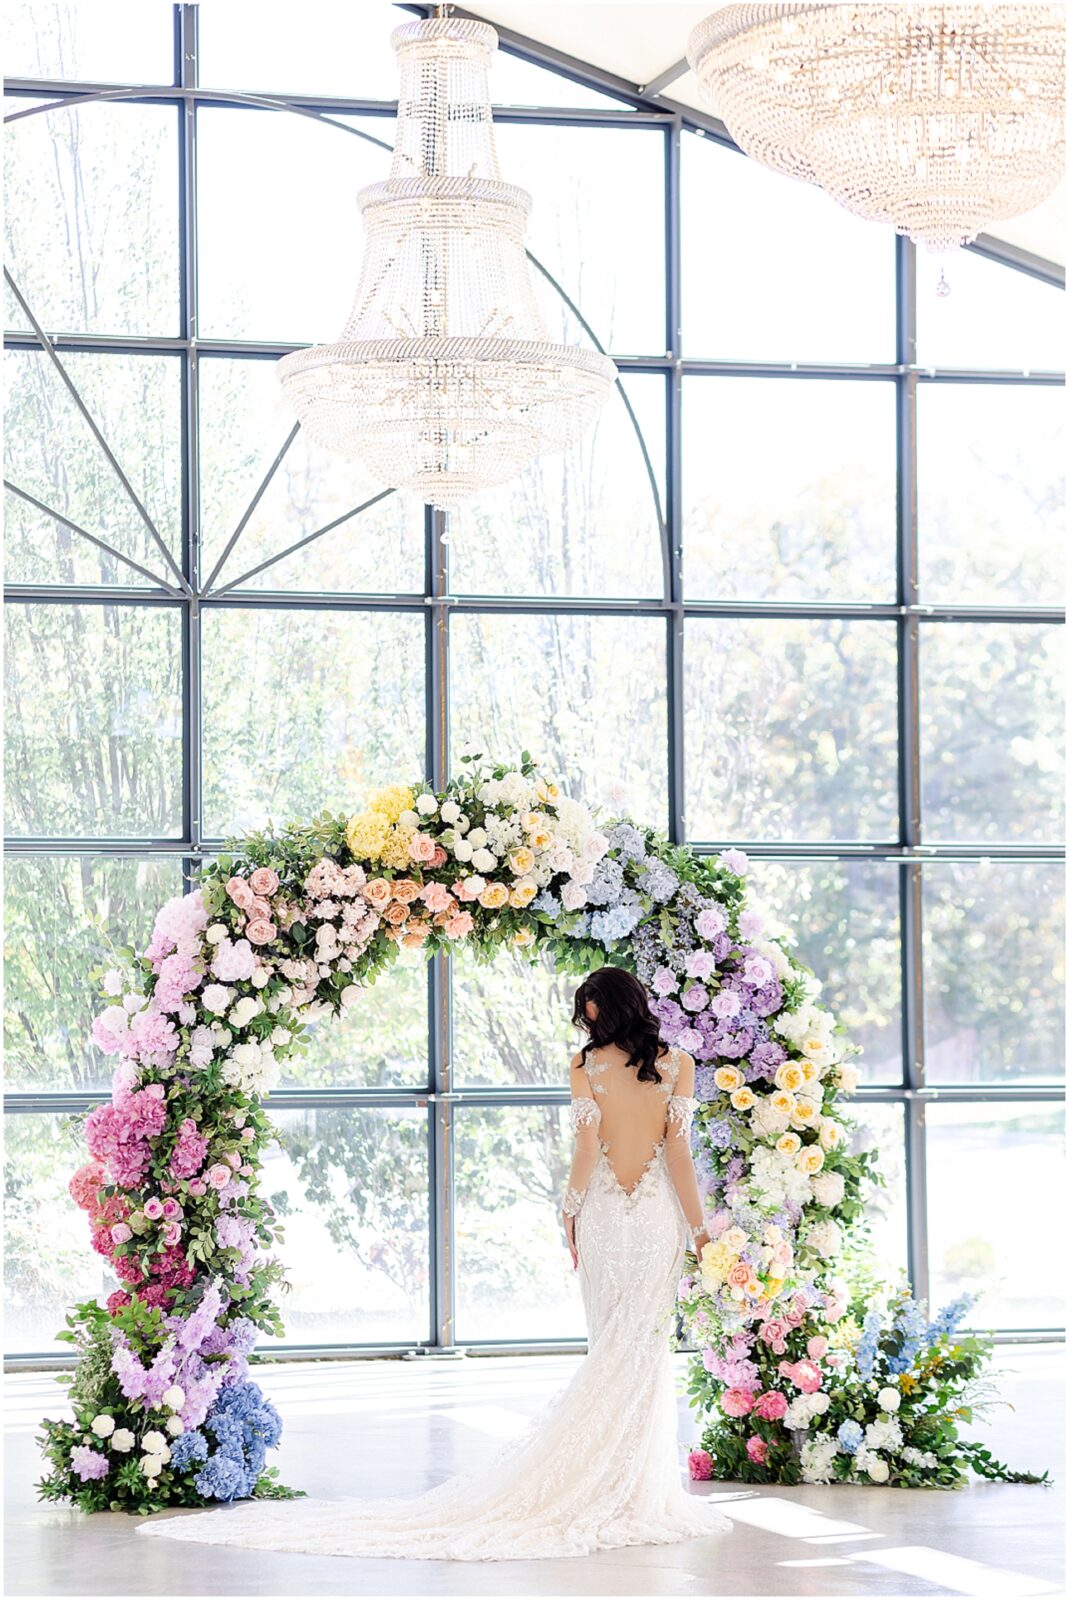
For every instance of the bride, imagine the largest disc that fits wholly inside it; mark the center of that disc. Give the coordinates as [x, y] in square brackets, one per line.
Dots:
[597, 1467]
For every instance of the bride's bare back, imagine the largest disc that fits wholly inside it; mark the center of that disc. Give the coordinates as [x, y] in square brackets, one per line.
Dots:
[634, 1113]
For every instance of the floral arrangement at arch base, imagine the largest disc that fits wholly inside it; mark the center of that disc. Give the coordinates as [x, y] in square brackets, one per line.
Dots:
[286, 928]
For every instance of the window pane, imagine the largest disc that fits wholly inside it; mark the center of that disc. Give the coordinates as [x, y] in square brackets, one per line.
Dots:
[280, 251]
[65, 916]
[511, 1170]
[845, 920]
[571, 690]
[94, 721]
[350, 1188]
[380, 1042]
[92, 218]
[790, 729]
[821, 526]
[883, 1126]
[993, 316]
[991, 731]
[511, 1022]
[581, 523]
[92, 41]
[774, 270]
[979, 1156]
[46, 1269]
[515, 82]
[51, 453]
[991, 493]
[994, 971]
[245, 419]
[333, 48]
[304, 709]
[597, 223]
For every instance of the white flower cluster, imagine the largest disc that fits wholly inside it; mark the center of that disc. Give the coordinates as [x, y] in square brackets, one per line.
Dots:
[775, 1176]
[156, 1450]
[818, 1457]
[919, 1458]
[810, 1030]
[884, 1435]
[825, 1237]
[874, 1465]
[804, 1407]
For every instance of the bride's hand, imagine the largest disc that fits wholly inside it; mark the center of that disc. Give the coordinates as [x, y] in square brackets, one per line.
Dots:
[569, 1234]
[701, 1239]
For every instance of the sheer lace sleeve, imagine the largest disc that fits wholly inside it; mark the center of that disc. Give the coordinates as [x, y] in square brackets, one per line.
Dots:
[681, 1108]
[586, 1120]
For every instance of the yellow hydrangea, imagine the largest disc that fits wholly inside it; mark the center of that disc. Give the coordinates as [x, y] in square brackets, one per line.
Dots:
[391, 801]
[717, 1261]
[365, 834]
[394, 851]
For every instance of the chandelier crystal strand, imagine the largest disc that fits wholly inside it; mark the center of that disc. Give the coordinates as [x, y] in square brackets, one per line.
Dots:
[937, 119]
[443, 381]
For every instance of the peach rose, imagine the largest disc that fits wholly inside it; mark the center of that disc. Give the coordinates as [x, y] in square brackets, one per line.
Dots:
[494, 896]
[469, 888]
[459, 924]
[396, 913]
[260, 930]
[377, 892]
[405, 890]
[263, 881]
[523, 937]
[421, 847]
[436, 897]
[522, 894]
[439, 858]
[239, 892]
[521, 861]
[416, 933]
[739, 1276]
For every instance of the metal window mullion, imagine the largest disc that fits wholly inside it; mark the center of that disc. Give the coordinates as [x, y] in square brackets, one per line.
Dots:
[675, 688]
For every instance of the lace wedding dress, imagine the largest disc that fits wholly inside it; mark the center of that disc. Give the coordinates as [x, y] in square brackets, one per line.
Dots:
[597, 1467]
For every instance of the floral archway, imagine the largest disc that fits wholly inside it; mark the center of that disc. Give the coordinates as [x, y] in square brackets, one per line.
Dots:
[806, 1367]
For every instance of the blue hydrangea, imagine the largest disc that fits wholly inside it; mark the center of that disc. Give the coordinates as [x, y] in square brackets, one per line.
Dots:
[546, 902]
[867, 1345]
[609, 926]
[581, 927]
[187, 1448]
[718, 1134]
[627, 842]
[607, 883]
[850, 1435]
[658, 880]
[222, 1478]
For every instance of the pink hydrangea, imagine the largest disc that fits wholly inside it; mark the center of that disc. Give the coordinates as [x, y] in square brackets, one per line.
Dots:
[179, 925]
[700, 1465]
[817, 1347]
[233, 960]
[771, 1405]
[111, 1030]
[118, 1134]
[117, 1301]
[190, 1150]
[178, 975]
[153, 1037]
[85, 1185]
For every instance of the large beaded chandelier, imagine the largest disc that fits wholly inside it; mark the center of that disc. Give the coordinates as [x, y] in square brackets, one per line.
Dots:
[937, 119]
[443, 381]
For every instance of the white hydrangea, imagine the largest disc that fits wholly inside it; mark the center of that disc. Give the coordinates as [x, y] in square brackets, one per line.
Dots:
[876, 1467]
[818, 1457]
[919, 1458]
[884, 1435]
[828, 1188]
[766, 1121]
[825, 1237]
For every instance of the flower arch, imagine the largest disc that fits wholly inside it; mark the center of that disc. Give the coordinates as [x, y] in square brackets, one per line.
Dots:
[289, 926]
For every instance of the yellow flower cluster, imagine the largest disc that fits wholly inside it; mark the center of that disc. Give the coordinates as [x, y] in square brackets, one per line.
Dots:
[374, 834]
[391, 801]
[366, 833]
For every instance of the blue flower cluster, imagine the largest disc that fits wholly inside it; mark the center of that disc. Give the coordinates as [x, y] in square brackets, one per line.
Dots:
[658, 880]
[549, 903]
[850, 1435]
[245, 1426]
[627, 841]
[609, 926]
[188, 1447]
[607, 884]
[865, 1354]
[947, 1320]
[911, 1322]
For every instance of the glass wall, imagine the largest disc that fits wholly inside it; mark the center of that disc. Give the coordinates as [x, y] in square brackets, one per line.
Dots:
[799, 593]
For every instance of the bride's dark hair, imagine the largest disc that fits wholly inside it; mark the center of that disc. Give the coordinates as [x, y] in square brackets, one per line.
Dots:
[624, 1018]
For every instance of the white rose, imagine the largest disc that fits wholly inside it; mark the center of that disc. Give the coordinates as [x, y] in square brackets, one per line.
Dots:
[153, 1442]
[243, 1010]
[247, 1054]
[103, 1425]
[408, 818]
[877, 1469]
[260, 978]
[830, 1134]
[350, 994]
[216, 997]
[113, 982]
[175, 1426]
[889, 1399]
[122, 1439]
[477, 838]
[174, 1398]
[426, 805]
[217, 933]
[847, 1077]
[462, 823]
[828, 1188]
[280, 1036]
[573, 896]
[151, 1466]
[485, 860]
[450, 811]
[463, 850]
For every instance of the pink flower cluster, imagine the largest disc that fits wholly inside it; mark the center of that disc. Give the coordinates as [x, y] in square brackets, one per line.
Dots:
[179, 925]
[251, 895]
[190, 1150]
[147, 1035]
[700, 1465]
[118, 1133]
[178, 975]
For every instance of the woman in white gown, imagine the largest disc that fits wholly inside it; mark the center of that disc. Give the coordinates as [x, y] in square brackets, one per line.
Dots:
[597, 1468]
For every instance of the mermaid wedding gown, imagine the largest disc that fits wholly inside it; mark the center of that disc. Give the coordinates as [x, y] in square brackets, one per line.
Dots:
[597, 1467]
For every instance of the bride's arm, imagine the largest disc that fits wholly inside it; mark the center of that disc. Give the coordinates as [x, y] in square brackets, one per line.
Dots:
[681, 1108]
[586, 1119]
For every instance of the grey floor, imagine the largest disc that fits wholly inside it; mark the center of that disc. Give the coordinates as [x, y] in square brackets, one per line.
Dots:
[396, 1427]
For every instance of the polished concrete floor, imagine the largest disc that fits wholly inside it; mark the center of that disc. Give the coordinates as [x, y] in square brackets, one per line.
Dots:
[396, 1427]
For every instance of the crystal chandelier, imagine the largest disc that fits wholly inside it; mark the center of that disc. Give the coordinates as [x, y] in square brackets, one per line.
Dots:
[936, 119]
[443, 380]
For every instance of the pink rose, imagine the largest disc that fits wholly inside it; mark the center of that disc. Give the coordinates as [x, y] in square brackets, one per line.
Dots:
[218, 1176]
[771, 1405]
[459, 924]
[805, 1375]
[436, 897]
[263, 881]
[757, 1449]
[173, 1233]
[171, 1209]
[240, 892]
[198, 1187]
[233, 1159]
[153, 1208]
[121, 1232]
[736, 1402]
[260, 908]
[260, 930]
[421, 847]
[700, 1465]
[439, 858]
[664, 981]
[817, 1348]
[774, 1332]
[739, 1276]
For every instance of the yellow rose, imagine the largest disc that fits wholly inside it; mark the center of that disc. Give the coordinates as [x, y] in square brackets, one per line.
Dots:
[789, 1076]
[810, 1070]
[546, 790]
[365, 833]
[494, 896]
[521, 894]
[789, 1143]
[541, 839]
[394, 851]
[521, 861]
[391, 801]
[728, 1078]
[804, 1114]
[523, 937]
[774, 1287]
[810, 1160]
[831, 1134]
[533, 821]
[782, 1101]
[743, 1099]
